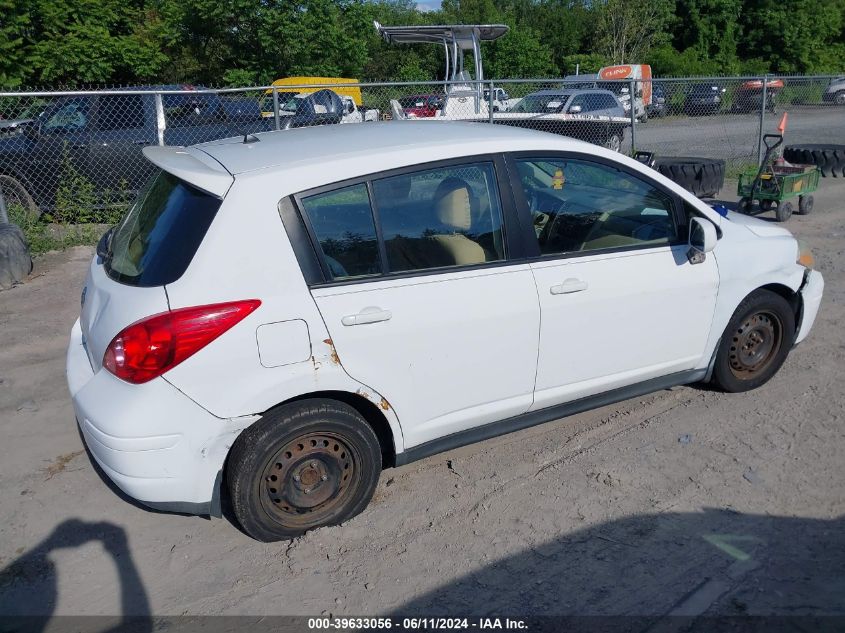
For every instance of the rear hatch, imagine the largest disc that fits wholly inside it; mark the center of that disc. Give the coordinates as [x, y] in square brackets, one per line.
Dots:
[151, 246]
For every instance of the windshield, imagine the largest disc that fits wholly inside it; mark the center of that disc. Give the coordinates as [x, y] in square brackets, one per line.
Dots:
[158, 236]
[541, 103]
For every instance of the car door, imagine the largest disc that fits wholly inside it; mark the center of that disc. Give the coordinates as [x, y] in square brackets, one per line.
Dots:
[620, 302]
[426, 300]
[59, 160]
[123, 127]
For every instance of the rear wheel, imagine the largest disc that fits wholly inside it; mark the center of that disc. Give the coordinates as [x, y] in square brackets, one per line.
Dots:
[19, 203]
[755, 343]
[614, 142]
[306, 465]
[745, 205]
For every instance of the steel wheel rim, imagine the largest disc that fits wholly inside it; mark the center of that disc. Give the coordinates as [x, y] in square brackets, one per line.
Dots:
[308, 479]
[755, 344]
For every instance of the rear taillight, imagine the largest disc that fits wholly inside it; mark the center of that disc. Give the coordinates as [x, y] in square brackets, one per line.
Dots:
[149, 347]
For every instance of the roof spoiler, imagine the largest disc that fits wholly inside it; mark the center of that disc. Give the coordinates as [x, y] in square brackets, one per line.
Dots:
[193, 166]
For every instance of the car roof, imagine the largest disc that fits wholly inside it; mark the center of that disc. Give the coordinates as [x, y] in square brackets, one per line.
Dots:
[375, 146]
[566, 92]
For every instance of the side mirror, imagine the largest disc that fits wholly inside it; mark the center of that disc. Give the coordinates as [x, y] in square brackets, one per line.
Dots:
[575, 109]
[702, 239]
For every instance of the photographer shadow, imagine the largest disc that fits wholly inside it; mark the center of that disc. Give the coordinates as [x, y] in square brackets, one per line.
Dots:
[29, 584]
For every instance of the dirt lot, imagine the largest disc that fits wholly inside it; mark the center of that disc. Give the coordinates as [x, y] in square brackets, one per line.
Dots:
[687, 501]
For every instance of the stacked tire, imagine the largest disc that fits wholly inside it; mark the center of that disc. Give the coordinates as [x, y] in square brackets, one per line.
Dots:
[703, 177]
[15, 261]
[829, 158]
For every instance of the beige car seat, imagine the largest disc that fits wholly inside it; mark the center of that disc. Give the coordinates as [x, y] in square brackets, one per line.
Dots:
[453, 202]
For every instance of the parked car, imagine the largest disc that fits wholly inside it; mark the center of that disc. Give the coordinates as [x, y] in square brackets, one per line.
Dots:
[421, 106]
[285, 329]
[749, 95]
[580, 82]
[101, 138]
[584, 102]
[659, 106]
[501, 99]
[835, 91]
[327, 101]
[703, 99]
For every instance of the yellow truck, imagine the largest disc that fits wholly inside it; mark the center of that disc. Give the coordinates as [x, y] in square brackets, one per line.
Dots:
[290, 88]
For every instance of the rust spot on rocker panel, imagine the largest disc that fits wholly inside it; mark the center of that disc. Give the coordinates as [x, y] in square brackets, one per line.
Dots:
[384, 404]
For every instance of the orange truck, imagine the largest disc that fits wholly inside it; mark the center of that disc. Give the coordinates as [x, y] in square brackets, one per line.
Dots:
[612, 78]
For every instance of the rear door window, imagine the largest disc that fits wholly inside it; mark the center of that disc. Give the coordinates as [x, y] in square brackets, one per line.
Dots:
[161, 232]
[342, 221]
[448, 216]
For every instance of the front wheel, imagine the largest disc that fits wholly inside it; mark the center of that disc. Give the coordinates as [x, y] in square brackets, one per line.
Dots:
[305, 465]
[755, 343]
[783, 211]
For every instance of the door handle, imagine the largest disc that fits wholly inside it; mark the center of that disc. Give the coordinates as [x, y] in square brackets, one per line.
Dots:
[569, 286]
[367, 315]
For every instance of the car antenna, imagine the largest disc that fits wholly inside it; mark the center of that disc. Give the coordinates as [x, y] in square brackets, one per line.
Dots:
[249, 137]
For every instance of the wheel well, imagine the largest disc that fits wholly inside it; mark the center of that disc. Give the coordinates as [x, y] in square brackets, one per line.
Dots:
[369, 411]
[792, 297]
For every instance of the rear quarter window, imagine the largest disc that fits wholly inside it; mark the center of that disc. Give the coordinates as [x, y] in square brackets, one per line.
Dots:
[161, 232]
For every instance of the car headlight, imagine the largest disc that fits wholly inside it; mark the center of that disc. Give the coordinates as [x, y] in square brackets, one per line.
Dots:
[805, 256]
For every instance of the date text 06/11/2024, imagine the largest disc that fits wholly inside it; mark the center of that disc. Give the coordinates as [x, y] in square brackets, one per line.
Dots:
[412, 624]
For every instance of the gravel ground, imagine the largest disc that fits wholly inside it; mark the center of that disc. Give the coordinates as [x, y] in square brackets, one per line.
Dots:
[735, 136]
[687, 501]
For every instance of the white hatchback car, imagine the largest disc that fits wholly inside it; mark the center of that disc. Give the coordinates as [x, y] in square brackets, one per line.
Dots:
[278, 318]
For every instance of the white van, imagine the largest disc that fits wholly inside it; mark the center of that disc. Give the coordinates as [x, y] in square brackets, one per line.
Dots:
[611, 78]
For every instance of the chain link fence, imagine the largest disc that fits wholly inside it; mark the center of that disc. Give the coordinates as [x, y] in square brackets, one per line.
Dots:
[76, 156]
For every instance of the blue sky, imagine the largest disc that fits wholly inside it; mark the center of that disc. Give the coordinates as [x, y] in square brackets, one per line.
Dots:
[428, 5]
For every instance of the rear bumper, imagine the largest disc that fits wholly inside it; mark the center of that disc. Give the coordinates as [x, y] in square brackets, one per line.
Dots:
[156, 444]
[811, 298]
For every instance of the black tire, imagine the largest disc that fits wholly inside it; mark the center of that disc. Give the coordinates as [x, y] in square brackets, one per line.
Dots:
[614, 142]
[783, 211]
[755, 343]
[839, 98]
[703, 177]
[745, 205]
[15, 261]
[805, 204]
[302, 466]
[829, 158]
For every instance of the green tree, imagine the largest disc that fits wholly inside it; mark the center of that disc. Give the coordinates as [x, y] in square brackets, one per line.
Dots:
[520, 54]
[627, 29]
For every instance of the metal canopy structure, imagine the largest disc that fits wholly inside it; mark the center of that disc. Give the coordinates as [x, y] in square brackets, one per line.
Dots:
[456, 38]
